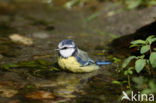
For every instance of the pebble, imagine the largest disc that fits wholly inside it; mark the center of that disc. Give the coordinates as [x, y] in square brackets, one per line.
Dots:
[17, 38]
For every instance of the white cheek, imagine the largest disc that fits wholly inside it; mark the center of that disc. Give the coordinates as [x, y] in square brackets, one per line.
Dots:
[67, 52]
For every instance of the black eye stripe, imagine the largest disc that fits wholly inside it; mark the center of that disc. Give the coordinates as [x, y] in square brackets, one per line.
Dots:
[64, 48]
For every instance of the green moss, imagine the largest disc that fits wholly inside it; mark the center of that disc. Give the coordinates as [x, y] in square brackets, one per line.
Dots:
[36, 67]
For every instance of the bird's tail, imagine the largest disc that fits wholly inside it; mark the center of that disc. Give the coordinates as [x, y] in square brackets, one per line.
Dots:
[102, 62]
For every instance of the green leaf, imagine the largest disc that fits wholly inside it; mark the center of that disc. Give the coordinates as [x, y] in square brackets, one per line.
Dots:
[134, 45]
[126, 72]
[126, 61]
[116, 60]
[132, 4]
[138, 42]
[129, 71]
[152, 85]
[141, 57]
[154, 49]
[151, 39]
[139, 65]
[116, 82]
[144, 49]
[153, 59]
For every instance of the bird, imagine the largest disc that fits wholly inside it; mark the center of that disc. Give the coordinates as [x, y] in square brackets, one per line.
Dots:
[75, 60]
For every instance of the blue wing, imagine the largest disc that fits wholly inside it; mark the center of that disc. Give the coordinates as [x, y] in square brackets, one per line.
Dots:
[83, 59]
[84, 63]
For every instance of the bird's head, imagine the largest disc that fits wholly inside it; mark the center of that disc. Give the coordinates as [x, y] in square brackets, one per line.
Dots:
[67, 48]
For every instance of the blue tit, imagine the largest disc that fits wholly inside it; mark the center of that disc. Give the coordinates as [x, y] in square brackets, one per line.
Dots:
[75, 60]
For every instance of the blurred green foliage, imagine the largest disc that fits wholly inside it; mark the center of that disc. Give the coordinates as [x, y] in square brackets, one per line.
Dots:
[71, 3]
[132, 4]
[147, 86]
[129, 4]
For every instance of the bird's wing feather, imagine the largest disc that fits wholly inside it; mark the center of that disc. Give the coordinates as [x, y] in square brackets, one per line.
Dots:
[83, 58]
[83, 55]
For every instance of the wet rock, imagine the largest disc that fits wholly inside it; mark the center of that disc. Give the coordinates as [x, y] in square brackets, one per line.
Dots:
[120, 45]
[17, 38]
[40, 95]
[5, 92]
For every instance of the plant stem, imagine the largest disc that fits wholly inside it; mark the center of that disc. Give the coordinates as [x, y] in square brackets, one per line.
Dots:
[129, 82]
[121, 87]
[150, 49]
[148, 69]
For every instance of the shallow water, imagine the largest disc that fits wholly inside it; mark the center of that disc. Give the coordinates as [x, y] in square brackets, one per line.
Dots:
[47, 25]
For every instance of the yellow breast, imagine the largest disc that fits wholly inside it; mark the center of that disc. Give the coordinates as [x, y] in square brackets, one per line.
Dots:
[72, 65]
